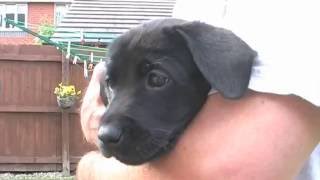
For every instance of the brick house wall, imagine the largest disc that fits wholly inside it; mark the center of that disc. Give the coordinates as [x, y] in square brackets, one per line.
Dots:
[37, 12]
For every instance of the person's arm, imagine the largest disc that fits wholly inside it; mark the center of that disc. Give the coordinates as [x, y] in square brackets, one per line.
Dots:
[92, 107]
[260, 136]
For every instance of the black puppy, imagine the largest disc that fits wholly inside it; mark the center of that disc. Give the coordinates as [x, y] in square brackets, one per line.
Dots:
[159, 77]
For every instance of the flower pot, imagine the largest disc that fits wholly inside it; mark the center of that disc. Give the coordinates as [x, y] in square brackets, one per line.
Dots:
[66, 102]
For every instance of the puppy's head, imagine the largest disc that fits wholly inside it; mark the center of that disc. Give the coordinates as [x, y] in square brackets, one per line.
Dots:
[157, 80]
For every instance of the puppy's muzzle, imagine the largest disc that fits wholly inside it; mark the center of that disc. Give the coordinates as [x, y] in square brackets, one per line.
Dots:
[109, 135]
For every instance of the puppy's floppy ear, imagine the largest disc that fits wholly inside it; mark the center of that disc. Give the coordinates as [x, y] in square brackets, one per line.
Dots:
[222, 57]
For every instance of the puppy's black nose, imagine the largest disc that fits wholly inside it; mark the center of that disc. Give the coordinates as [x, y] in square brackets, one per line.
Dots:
[109, 134]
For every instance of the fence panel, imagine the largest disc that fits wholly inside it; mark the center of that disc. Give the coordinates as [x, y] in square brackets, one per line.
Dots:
[30, 121]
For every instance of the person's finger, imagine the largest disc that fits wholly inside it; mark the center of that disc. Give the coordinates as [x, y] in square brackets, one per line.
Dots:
[99, 70]
[90, 122]
[93, 108]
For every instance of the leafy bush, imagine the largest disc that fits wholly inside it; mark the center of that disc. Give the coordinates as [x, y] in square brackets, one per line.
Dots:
[46, 29]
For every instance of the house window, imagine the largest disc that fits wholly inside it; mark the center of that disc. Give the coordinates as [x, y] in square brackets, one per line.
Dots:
[16, 12]
[1, 16]
[60, 11]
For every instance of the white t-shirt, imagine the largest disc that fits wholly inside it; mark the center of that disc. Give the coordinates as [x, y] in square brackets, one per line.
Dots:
[286, 35]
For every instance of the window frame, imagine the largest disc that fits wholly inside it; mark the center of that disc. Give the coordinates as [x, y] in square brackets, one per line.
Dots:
[65, 4]
[3, 12]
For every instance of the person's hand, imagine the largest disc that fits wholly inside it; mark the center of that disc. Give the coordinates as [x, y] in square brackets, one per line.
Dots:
[93, 108]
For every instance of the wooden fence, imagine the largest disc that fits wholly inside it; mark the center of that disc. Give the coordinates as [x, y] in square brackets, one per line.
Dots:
[35, 135]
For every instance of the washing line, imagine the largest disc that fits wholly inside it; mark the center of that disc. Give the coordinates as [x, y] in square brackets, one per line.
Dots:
[59, 45]
[85, 48]
[37, 26]
[87, 60]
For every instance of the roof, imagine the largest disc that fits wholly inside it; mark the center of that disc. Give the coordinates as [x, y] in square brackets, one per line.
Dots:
[25, 1]
[104, 20]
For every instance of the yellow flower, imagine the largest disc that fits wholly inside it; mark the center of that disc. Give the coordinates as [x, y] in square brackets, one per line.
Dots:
[66, 90]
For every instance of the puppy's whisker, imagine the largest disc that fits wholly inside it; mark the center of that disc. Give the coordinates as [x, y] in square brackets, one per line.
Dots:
[156, 63]
[148, 149]
[160, 143]
[159, 131]
[154, 143]
[159, 61]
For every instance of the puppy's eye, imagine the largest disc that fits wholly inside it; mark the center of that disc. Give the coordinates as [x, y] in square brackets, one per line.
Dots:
[157, 79]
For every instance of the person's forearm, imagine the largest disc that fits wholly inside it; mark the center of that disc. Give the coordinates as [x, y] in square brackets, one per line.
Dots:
[259, 137]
